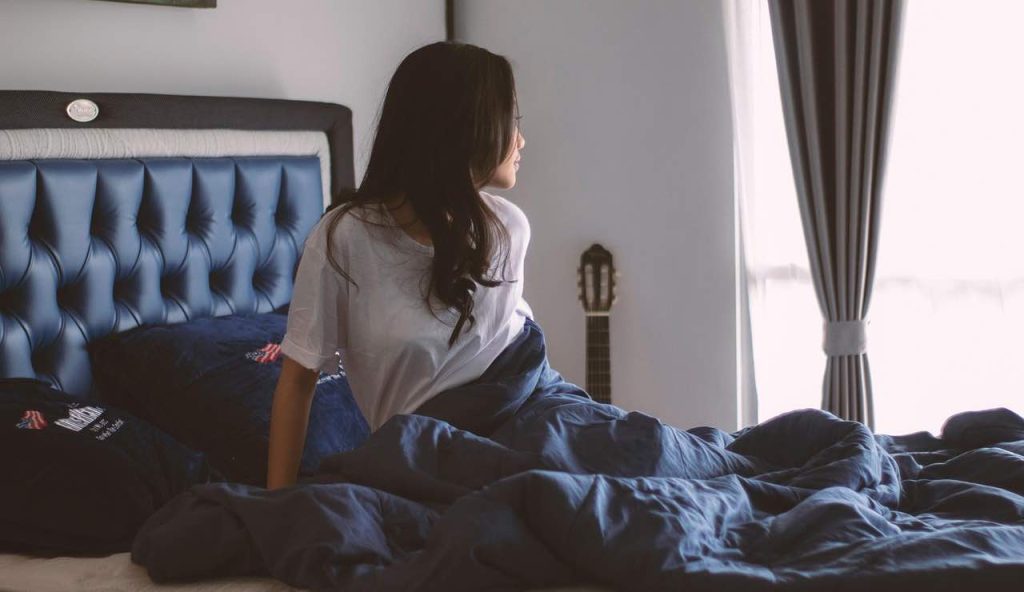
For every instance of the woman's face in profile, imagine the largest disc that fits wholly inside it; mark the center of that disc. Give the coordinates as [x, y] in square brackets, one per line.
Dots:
[504, 176]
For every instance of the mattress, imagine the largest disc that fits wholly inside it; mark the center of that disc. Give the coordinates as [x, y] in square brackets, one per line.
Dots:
[116, 573]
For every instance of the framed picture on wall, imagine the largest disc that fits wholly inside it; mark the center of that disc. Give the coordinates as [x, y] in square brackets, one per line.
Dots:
[181, 3]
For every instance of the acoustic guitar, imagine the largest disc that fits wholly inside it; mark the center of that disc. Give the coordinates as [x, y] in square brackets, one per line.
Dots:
[597, 293]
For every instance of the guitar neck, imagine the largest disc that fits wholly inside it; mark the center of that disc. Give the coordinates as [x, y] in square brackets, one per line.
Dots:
[599, 374]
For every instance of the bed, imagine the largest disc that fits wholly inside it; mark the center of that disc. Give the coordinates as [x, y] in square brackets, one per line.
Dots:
[158, 236]
[251, 177]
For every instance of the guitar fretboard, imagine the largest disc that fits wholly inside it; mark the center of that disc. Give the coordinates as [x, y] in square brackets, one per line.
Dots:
[599, 374]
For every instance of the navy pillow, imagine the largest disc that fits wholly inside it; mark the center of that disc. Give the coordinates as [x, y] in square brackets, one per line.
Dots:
[80, 477]
[210, 384]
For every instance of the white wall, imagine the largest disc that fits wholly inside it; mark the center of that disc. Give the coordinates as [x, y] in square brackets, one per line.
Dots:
[342, 51]
[628, 143]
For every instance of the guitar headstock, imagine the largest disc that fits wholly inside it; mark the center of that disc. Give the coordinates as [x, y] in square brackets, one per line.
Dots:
[597, 280]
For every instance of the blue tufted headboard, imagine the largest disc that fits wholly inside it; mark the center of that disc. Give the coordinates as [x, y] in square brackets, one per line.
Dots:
[93, 246]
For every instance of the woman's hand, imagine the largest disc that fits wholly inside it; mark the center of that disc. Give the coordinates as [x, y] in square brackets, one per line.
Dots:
[289, 418]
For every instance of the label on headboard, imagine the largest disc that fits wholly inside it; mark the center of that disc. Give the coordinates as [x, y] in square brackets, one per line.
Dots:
[83, 110]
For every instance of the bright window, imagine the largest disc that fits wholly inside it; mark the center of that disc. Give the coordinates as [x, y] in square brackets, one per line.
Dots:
[947, 309]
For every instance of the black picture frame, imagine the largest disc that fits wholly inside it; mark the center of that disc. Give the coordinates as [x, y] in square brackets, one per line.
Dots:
[178, 3]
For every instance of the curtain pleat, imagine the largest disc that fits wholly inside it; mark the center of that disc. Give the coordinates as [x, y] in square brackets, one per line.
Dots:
[837, 69]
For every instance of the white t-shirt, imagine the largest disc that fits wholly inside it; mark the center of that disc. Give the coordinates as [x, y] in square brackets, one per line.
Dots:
[394, 350]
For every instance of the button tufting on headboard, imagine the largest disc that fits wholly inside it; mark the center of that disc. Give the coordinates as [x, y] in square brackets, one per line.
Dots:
[88, 247]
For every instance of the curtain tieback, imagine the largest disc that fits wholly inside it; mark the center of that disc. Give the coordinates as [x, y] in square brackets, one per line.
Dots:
[845, 338]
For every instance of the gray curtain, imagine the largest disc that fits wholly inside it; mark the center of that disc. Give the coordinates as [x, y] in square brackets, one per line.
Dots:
[837, 68]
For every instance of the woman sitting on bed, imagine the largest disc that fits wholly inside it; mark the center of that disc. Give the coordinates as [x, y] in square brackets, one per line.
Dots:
[417, 280]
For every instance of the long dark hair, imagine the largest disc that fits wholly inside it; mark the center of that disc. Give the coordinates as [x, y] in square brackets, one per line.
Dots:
[447, 122]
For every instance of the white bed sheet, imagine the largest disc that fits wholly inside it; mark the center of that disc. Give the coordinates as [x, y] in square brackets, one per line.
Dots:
[116, 573]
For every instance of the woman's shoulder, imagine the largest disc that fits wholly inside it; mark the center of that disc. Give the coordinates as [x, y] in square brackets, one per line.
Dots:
[340, 227]
[511, 214]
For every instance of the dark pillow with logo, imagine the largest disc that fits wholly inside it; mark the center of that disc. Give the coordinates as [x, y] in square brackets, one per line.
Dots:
[80, 477]
[210, 384]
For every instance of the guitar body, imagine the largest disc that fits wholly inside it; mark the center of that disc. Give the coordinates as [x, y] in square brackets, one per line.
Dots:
[597, 293]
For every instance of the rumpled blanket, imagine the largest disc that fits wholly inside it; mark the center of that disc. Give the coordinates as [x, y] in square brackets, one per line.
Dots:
[519, 480]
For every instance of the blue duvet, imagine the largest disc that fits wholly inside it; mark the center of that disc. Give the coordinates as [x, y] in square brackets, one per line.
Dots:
[520, 481]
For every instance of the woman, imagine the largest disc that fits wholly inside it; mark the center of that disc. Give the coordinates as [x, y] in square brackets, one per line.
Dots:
[417, 279]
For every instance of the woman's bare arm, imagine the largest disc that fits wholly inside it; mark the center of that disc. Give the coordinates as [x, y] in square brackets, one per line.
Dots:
[289, 418]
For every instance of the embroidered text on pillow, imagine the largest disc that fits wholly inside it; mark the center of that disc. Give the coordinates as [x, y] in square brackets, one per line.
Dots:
[79, 418]
[32, 420]
[329, 377]
[325, 377]
[271, 352]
